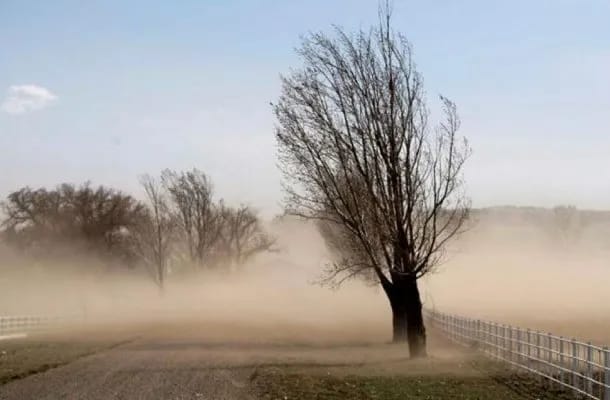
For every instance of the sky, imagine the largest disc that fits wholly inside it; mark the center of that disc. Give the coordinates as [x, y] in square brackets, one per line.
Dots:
[108, 90]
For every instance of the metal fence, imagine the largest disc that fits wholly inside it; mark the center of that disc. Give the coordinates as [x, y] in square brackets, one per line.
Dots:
[11, 325]
[580, 367]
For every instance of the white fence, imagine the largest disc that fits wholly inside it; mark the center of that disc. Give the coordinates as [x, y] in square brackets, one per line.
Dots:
[11, 325]
[580, 367]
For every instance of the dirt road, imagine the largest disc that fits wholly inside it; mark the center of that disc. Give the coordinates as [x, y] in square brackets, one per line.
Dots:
[142, 370]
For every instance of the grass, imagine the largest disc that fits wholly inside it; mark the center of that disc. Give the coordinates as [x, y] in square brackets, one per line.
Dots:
[285, 384]
[282, 385]
[23, 357]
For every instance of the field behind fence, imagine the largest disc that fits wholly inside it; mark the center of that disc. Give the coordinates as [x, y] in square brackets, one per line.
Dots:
[580, 367]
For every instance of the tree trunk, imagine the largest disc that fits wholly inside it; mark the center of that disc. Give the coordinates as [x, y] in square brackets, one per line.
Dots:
[399, 325]
[407, 317]
[416, 331]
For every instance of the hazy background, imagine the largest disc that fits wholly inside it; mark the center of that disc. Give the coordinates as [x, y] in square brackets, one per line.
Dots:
[513, 266]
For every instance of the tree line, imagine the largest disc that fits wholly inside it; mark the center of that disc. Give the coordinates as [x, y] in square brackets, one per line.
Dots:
[179, 225]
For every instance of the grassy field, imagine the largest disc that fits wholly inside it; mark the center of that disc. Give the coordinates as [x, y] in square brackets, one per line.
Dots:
[472, 379]
[313, 386]
[22, 357]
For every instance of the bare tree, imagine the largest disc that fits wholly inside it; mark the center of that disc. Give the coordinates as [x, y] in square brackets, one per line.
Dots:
[191, 195]
[242, 235]
[359, 155]
[567, 223]
[154, 235]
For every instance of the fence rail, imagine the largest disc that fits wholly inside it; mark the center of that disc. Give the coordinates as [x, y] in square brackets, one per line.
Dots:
[580, 367]
[11, 325]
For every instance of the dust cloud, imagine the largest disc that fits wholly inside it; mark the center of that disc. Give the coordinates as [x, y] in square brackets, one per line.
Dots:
[505, 268]
[275, 297]
[515, 266]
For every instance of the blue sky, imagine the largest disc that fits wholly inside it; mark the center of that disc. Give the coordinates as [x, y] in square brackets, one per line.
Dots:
[135, 87]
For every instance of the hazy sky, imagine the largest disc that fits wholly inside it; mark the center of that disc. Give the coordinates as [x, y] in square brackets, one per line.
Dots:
[109, 90]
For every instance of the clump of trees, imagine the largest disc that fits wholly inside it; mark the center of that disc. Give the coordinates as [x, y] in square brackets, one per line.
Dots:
[45, 222]
[360, 156]
[177, 225]
[186, 227]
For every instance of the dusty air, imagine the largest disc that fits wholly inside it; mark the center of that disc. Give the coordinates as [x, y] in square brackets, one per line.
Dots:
[345, 200]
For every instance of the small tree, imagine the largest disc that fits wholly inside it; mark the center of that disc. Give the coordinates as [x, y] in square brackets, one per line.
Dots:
[199, 219]
[358, 154]
[153, 236]
[242, 235]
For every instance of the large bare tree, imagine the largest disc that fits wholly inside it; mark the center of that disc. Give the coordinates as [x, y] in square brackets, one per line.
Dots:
[360, 155]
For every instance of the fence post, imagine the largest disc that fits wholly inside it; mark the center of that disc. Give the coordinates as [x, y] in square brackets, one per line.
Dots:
[510, 343]
[551, 368]
[519, 347]
[529, 346]
[464, 330]
[538, 359]
[489, 338]
[606, 373]
[561, 360]
[575, 365]
[504, 343]
[589, 368]
[497, 340]
[450, 325]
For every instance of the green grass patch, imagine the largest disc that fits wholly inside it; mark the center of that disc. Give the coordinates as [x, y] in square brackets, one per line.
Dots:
[273, 386]
[22, 357]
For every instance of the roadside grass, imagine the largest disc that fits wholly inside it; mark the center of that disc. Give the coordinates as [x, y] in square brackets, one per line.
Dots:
[297, 386]
[468, 377]
[290, 384]
[22, 357]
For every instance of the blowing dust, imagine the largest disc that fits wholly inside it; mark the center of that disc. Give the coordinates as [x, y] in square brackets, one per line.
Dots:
[519, 266]
[504, 268]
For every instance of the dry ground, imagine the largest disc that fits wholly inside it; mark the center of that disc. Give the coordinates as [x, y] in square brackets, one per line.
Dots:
[190, 361]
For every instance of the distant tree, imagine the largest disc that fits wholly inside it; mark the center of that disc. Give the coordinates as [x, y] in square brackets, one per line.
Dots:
[191, 197]
[359, 155]
[93, 219]
[242, 235]
[154, 236]
[180, 222]
[214, 233]
[567, 223]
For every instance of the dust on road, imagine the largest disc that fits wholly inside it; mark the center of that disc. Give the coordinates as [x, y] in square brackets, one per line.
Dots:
[182, 363]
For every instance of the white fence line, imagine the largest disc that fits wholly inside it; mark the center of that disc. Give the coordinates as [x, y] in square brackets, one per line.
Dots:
[11, 325]
[580, 367]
